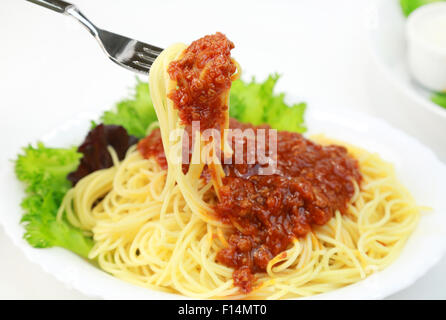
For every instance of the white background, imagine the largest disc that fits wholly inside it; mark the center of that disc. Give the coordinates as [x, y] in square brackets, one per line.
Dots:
[51, 69]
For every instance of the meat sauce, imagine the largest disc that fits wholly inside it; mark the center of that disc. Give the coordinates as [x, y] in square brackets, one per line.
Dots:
[203, 75]
[152, 146]
[310, 182]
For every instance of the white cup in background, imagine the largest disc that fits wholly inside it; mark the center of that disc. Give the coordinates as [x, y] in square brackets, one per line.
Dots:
[426, 39]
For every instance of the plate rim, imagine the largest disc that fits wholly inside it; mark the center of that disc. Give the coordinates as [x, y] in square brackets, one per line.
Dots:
[33, 256]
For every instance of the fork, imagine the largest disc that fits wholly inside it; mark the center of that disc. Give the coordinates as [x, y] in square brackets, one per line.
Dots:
[128, 53]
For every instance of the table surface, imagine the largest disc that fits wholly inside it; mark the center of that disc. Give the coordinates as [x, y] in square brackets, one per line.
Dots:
[52, 70]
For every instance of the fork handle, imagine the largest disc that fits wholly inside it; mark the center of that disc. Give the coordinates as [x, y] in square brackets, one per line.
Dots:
[55, 5]
[68, 9]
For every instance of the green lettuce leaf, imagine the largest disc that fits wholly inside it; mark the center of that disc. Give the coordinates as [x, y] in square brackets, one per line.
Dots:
[256, 103]
[134, 114]
[409, 6]
[44, 171]
[440, 99]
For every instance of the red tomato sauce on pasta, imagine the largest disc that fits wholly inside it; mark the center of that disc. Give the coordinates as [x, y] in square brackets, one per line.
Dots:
[152, 146]
[267, 211]
[203, 75]
[310, 182]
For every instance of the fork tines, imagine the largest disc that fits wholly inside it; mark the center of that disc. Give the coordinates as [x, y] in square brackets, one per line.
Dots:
[145, 55]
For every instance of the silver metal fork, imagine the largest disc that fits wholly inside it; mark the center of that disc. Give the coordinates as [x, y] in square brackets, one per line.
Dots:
[128, 53]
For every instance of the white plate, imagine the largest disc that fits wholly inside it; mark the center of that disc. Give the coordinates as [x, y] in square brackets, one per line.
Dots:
[395, 96]
[416, 165]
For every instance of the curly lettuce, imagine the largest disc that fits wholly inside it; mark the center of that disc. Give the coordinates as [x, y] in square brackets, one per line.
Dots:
[256, 103]
[135, 114]
[44, 172]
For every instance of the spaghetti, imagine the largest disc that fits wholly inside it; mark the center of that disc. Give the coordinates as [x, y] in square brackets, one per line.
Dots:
[156, 223]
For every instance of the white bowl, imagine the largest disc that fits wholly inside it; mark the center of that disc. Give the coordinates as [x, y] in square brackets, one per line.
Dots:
[393, 94]
[426, 45]
[417, 167]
